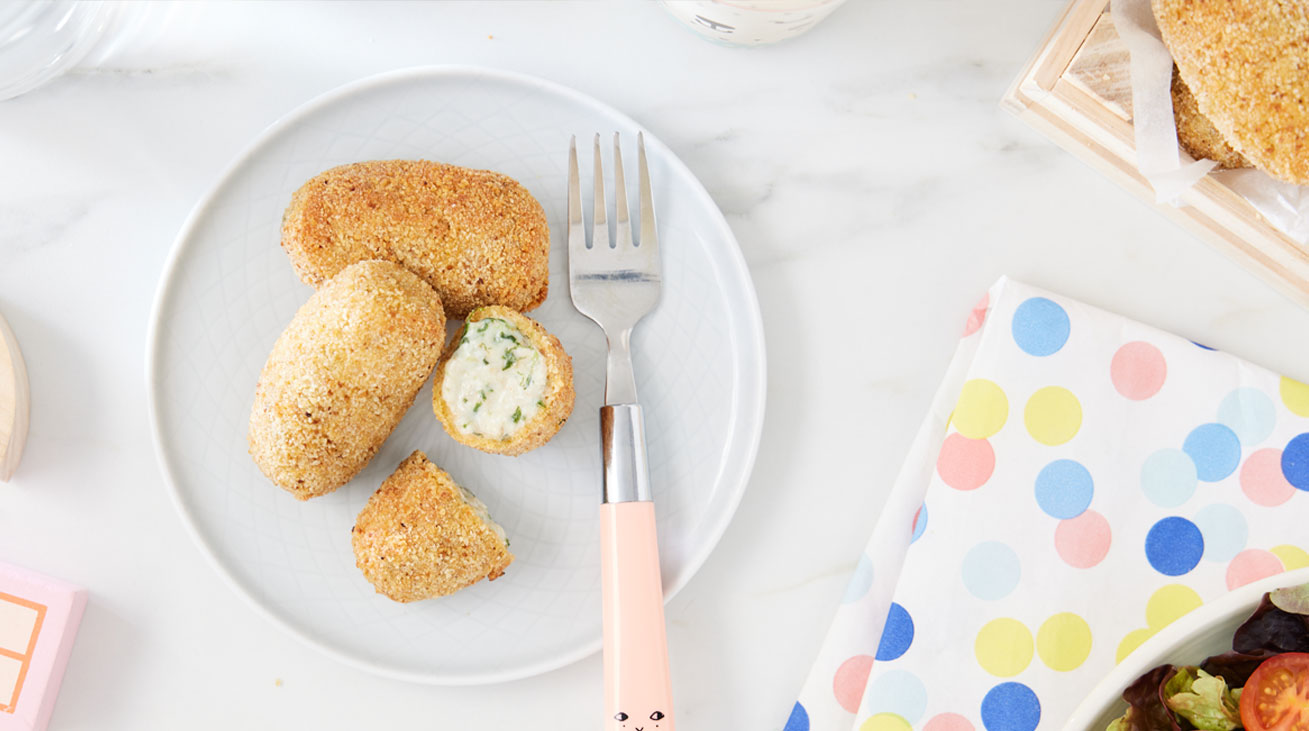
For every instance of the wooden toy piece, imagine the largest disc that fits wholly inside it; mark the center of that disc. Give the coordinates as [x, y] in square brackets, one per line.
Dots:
[38, 622]
[14, 400]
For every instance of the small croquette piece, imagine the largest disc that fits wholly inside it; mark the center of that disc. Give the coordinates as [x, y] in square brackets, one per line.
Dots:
[504, 385]
[421, 535]
[1247, 64]
[1197, 134]
[478, 237]
[342, 375]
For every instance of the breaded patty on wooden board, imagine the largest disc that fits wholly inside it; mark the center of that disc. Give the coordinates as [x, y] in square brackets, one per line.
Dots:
[342, 375]
[1247, 63]
[1197, 134]
[478, 237]
[421, 535]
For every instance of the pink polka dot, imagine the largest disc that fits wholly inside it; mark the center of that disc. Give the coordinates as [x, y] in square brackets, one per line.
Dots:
[977, 316]
[1083, 542]
[1262, 480]
[851, 677]
[1138, 370]
[965, 464]
[948, 722]
[1252, 565]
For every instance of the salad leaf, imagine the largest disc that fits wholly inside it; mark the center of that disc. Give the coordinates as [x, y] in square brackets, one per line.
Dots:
[1272, 629]
[1202, 699]
[1146, 709]
[1293, 599]
[1235, 667]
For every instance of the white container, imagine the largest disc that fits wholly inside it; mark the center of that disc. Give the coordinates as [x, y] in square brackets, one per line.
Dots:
[750, 22]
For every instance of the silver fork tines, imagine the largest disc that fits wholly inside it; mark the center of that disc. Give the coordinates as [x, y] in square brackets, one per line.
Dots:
[615, 284]
[622, 225]
[599, 226]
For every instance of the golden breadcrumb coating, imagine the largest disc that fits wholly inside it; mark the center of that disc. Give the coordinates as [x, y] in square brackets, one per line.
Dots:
[559, 393]
[1197, 134]
[419, 537]
[478, 237]
[342, 375]
[1247, 63]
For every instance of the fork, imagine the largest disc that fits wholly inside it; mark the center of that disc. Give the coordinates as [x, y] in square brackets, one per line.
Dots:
[616, 284]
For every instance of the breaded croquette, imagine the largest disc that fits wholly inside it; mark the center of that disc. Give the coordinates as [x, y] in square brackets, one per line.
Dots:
[421, 535]
[342, 375]
[478, 237]
[504, 385]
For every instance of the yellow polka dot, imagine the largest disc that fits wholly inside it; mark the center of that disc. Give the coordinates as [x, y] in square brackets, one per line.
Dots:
[886, 722]
[1004, 647]
[1064, 641]
[1053, 415]
[982, 409]
[1169, 603]
[1132, 641]
[1295, 395]
[1293, 557]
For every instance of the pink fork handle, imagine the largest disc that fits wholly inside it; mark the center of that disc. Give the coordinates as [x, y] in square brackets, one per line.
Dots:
[638, 692]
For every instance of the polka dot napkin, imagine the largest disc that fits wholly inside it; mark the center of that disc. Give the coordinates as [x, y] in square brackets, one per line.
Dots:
[1080, 482]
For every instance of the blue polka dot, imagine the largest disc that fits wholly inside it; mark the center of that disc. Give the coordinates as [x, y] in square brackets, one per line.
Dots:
[799, 720]
[1295, 462]
[1040, 326]
[1249, 413]
[1215, 450]
[1064, 489]
[897, 635]
[898, 692]
[1174, 546]
[1224, 529]
[991, 570]
[1011, 707]
[860, 580]
[1168, 478]
[920, 523]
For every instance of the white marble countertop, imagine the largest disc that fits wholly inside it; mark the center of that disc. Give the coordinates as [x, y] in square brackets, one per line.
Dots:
[866, 169]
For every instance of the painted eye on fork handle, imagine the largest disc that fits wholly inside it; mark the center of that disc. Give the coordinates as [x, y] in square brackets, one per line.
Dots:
[620, 716]
[657, 716]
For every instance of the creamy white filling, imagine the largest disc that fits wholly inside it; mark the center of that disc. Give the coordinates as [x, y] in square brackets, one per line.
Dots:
[495, 380]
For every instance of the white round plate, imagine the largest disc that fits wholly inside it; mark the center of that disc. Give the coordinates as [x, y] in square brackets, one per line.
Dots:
[228, 291]
[1188, 641]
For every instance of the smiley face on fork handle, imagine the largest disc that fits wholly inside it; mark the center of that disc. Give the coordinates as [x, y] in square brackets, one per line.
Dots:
[628, 722]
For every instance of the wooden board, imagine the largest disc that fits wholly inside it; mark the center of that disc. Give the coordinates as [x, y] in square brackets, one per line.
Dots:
[14, 406]
[1076, 90]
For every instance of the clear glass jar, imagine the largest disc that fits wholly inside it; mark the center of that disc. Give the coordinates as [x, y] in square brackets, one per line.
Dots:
[40, 39]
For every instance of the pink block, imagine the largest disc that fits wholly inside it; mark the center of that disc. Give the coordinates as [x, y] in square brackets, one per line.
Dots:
[38, 622]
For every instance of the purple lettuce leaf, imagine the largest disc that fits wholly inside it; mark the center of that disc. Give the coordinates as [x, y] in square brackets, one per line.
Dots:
[1273, 630]
[1147, 710]
[1235, 667]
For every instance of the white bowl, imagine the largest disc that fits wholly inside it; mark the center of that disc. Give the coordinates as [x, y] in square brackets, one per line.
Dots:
[1187, 641]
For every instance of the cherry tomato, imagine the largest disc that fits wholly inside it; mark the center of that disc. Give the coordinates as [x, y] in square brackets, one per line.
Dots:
[1276, 698]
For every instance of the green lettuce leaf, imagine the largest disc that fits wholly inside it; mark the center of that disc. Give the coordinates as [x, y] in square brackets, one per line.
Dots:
[1202, 699]
[1292, 599]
